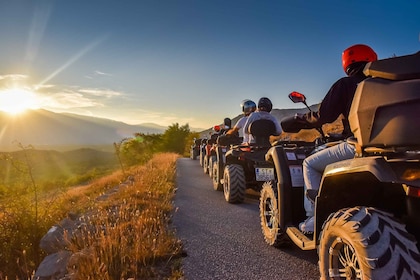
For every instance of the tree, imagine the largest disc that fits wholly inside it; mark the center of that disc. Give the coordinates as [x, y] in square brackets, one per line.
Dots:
[175, 137]
[138, 149]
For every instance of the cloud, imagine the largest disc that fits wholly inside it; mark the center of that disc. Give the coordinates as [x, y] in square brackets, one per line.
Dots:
[62, 97]
[13, 77]
[99, 73]
[67, 100]
[56, 97]
[14, 81]
[100, 92]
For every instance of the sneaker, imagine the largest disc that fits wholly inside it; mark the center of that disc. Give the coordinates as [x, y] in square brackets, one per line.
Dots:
[307, 226]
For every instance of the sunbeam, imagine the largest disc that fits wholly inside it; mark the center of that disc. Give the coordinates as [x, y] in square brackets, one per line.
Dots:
[75, 58]
[39, 23]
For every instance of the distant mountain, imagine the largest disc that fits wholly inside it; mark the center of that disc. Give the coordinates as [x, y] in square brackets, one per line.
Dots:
[48, 130]
[45, 128]
[153, 126]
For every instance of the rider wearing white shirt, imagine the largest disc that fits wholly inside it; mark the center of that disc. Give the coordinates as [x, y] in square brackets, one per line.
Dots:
[248, 107]
[262, 113]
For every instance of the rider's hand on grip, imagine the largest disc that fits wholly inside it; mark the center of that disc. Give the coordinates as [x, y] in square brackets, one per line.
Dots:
[299, 116]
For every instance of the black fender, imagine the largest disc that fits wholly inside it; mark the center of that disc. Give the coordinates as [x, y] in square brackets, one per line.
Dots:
[276, 156]
[366, 181]
[289, 191]
[233, 154]
[213, 152]
[220, 155]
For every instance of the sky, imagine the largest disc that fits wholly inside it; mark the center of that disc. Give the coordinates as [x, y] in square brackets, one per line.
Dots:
[186, 61]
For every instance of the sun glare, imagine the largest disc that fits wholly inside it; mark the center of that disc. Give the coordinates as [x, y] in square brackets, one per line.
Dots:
[17, 100]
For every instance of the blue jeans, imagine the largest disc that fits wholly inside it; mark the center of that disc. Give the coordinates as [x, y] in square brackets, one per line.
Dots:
[314, 166]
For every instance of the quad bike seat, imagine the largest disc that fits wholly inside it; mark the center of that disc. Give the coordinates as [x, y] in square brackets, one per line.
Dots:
[261, 131]
[400, 68]
[386, 106]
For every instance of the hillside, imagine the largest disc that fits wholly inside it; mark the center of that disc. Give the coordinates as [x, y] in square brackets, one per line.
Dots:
[55, 166]
[45, 129]
[63, 131]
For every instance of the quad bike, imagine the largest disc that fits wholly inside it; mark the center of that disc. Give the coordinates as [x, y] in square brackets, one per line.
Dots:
[245, 165]
[195, 149]
[209, 155]
[216, 151]
[203, 146]
[223, 143]
[367, 208]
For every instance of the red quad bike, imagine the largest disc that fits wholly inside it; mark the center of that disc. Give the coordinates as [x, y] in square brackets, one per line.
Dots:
[217, 151]
[367, 209]
[208, 158]
[245, 165]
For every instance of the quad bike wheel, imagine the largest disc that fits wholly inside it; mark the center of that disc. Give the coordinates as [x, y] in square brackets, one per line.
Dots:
[217, 185]
[234, 185]
[206, 164]
[201, 159]
[212, 160]
[366, 243]
[270, 216]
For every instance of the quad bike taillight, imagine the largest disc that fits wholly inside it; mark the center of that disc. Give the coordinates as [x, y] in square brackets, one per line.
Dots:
[244, 150]
[411, 175]
[412, 191]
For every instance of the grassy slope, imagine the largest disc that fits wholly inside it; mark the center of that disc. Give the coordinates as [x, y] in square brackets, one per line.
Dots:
[139, 244]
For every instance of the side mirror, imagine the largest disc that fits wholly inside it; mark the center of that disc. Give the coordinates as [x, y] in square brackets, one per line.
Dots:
[297, 97]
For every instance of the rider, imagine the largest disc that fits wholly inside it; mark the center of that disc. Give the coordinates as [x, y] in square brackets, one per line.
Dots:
[337, 102]
[248, 107]
[262, 112]
[226, 126]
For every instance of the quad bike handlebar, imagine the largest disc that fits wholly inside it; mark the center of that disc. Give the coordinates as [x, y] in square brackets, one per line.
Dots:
[294, 124]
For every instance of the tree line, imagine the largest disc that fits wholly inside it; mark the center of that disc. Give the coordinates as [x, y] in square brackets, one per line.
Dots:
[141, 147]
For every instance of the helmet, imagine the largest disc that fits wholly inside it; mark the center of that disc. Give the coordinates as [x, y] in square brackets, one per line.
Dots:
[264, 104]
[227, 122]
[248, 106]
[357, 53]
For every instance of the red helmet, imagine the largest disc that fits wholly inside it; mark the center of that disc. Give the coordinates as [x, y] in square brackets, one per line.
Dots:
[357, 53]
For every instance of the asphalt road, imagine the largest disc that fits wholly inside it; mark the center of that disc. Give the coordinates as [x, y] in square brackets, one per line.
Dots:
[224, 241]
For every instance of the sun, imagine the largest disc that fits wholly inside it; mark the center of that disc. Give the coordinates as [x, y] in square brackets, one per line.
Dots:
[17, 100]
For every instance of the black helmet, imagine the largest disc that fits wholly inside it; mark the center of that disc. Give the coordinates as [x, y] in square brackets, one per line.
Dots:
[227, 122]
[248, 106]
[264, 104]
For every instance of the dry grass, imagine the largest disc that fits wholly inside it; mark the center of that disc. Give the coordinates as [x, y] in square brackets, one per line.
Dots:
[128, 235]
